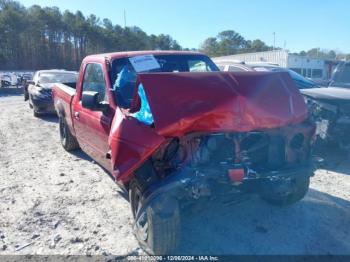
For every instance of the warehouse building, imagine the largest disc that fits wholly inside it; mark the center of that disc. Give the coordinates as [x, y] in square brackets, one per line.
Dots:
[318, 69]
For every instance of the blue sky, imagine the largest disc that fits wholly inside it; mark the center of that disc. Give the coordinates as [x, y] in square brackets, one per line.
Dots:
[300, 25]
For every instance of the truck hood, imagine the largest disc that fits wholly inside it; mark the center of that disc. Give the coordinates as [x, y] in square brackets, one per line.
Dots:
[221, 101]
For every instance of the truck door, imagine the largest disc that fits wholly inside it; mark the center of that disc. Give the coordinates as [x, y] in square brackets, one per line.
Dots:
[93, 127]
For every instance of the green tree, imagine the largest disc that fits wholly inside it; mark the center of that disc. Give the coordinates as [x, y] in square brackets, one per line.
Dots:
[230, 42]
[258, 46]
[320, 54]
[163, 42]
[210, 47]
[40, 38]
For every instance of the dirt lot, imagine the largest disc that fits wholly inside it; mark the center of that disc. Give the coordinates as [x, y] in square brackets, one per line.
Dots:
[54, 202]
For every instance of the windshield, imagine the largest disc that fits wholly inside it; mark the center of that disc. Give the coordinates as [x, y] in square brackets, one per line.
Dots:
[169, 63]
[184, 63]
[51, 77]
[300, 81]
[123, 75]
[341, 75]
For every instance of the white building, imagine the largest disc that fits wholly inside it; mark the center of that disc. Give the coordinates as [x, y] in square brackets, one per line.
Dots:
[308, 67]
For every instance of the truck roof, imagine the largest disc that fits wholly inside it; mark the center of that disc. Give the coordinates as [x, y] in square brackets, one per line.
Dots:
[56, 71]
[115, 55]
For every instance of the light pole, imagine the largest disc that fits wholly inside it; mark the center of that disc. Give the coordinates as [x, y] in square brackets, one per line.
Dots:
[124, 18]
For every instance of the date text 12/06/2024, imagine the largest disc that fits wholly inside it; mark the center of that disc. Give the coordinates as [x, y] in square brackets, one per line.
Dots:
[173, 258]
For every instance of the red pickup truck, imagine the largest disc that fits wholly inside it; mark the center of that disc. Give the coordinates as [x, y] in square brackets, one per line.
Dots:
[172, 130]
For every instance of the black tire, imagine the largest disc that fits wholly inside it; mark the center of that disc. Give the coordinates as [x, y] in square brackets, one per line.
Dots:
[26, 95]
[300, 188]
[35, 114]
[161, 236]
[68, 141]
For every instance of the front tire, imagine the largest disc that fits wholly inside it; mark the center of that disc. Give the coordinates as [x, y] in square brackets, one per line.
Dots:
[68, 141]
[300, 186]
[157, 228]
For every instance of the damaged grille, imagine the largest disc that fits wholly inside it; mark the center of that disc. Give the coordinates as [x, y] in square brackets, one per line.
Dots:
[257, 150]
[262, 151]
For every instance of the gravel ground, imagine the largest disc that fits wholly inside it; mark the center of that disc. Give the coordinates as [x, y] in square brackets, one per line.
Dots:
[54, 202]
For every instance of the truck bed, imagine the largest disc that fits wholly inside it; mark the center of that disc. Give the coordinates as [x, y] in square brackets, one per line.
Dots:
[63, 95]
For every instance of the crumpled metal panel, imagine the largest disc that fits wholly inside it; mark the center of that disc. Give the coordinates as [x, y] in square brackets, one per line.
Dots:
[202, 102]
[131, 143]
[222, 101]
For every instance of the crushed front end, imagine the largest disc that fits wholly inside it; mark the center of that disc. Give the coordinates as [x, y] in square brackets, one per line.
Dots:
[222, 165]
[214, 136]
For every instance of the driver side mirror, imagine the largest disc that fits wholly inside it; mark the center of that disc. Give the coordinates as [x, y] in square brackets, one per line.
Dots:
[90, 100]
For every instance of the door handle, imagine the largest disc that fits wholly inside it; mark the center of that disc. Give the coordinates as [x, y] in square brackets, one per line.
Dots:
[76, 115]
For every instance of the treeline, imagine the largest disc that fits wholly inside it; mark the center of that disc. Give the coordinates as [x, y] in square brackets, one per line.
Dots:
[44, 37]
[230, 42]
[325, 54]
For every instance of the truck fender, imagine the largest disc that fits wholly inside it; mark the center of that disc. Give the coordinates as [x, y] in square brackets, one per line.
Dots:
[131, 144]
[59, 109]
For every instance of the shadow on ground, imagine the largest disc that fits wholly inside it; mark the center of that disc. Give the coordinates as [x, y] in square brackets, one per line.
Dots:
[335, 160]
[4, 94]
[49, 118]
[253, 227]
[82, 155]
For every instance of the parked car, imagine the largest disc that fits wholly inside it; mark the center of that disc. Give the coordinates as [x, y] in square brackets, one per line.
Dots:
[341, 76]
[173, 137]
[26, 78]
[38, 91]
[300, 81]
[330, 108]
[5, 80]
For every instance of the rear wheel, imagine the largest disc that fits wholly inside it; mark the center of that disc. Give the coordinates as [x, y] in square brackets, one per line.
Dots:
[299, 188]
[26, 95]
[68, 141]
[35, 114]
[157, 225]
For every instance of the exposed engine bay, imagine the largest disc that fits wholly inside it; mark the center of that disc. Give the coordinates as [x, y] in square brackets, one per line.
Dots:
[256, 152]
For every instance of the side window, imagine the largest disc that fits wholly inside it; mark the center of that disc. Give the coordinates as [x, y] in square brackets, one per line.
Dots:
[94, 81]
[124, 82]
[122, 71]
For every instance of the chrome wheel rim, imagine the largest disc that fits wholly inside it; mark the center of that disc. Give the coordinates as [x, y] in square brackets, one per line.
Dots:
[141, 220]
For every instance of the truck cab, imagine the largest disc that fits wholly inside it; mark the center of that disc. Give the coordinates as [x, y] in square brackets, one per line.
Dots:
[114, 80]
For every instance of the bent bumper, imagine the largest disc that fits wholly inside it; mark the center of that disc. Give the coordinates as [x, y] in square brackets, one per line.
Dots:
[194, 183]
